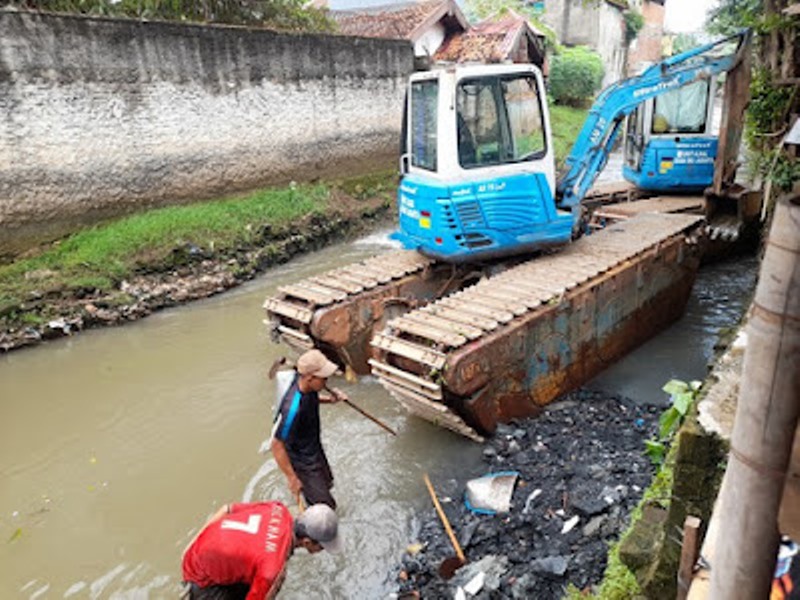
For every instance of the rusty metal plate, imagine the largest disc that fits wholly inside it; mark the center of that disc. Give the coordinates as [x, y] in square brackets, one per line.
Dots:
[604, 258]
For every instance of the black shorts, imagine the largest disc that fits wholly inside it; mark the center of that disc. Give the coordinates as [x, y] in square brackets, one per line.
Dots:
[317, 483]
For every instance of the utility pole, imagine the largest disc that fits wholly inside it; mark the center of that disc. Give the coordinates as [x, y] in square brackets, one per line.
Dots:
[766, 419]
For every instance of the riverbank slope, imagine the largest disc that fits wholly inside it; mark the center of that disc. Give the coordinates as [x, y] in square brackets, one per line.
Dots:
[124, 270]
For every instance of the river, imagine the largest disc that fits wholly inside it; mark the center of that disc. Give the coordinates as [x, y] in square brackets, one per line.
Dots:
[117, 444]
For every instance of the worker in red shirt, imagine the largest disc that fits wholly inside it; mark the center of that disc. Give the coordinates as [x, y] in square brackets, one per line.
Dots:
[243, 549]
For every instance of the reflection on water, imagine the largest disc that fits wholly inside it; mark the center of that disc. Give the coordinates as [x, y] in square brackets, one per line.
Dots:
[116, 445]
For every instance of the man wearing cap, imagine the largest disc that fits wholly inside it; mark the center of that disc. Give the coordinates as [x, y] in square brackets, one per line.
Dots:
[296, 443]
[243, 550]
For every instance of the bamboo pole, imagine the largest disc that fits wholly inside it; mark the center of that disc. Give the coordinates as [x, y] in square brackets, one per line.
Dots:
[691, 535]
[766, 418]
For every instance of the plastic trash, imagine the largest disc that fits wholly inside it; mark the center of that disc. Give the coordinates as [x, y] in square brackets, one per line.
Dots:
[491, 494]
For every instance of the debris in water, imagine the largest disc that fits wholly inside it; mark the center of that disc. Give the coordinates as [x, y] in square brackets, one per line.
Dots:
[414, 548]
[577, 452]
[570, 525]
[16, 535]
[531, 497]
[491, 493]
[475, 584]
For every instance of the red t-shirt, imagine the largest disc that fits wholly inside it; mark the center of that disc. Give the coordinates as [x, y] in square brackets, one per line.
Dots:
[250, 545]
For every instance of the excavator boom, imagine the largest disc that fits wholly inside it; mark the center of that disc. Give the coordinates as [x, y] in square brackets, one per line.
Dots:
[593, 144]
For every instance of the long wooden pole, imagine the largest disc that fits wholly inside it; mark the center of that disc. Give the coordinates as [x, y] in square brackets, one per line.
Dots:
[360, 410]
[370, 417]
[445, 522]
[766, 419]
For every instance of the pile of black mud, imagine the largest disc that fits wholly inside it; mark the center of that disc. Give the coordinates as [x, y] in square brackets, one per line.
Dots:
[583, 457]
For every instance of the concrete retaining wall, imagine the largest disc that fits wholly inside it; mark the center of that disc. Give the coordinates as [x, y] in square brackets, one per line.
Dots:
[103, 117]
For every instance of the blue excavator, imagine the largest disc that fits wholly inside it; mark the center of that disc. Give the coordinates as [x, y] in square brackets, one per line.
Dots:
[478, 176]
[464, 327]
[671, 142]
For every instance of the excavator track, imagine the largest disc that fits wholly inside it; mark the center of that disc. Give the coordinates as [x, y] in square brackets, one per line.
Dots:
[443, 361]
[341, 309]
[292, 311]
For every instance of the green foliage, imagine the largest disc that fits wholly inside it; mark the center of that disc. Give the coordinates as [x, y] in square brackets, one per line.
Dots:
[634, 21]
[682, 396]
[771, 104]
[766, 120]
[575, 75]
[785, 171]
[481, 9]
[290, 15]
[729, 16]
[768, 106]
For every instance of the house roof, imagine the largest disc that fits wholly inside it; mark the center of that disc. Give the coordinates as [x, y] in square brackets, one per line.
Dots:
[492, 40]
[404, 21]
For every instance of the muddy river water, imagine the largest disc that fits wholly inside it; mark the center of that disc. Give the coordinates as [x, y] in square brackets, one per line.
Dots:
[117, 444]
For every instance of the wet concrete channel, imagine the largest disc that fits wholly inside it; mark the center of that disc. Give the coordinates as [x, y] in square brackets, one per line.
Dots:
[116, 445]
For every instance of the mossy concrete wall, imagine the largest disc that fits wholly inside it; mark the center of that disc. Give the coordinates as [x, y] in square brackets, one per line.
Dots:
[102, 117]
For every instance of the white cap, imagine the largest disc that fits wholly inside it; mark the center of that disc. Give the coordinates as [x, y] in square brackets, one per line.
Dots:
[321, 524]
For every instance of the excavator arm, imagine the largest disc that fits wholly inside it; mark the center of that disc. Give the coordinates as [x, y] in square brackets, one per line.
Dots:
[596, 139]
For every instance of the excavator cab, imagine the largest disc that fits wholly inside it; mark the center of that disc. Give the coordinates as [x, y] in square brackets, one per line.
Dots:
[670, 140]
[477, 165]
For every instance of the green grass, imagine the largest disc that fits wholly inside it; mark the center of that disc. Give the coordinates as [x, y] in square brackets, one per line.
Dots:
[566, 123]
[100, 257]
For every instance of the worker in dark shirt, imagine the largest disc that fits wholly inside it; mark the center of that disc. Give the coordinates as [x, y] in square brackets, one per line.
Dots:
[296, 443]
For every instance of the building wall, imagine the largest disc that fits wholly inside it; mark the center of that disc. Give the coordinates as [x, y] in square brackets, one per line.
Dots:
[431, 40]
[104, 117]
[597, 25]
[646, 49]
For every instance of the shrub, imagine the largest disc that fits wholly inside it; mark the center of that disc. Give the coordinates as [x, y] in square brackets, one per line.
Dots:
[634, 21]
[575, 75]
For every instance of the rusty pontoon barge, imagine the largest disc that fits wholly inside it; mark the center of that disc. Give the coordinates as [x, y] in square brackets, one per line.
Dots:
[512, 342]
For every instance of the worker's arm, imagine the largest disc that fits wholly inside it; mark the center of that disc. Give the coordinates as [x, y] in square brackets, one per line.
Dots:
[285, 465]
[332, 396]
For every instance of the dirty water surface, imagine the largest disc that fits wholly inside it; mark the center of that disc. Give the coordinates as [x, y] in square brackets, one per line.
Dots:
[117, 444]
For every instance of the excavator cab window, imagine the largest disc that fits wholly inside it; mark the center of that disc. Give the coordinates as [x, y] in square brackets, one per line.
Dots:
[683, 110]
[634, 138]
[423, 134]
[499, 120]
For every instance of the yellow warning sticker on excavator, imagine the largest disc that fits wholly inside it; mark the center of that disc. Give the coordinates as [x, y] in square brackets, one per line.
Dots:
[425, 222]
[665, 166]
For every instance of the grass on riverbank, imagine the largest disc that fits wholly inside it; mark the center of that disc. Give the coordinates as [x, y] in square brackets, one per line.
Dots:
[98, 258]
[567, 122]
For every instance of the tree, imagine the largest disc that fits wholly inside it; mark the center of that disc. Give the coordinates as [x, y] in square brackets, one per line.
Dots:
[478, 10]
[287, 15]
[774, 90]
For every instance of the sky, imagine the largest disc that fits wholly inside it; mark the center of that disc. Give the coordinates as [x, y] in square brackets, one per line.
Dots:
[686, 16]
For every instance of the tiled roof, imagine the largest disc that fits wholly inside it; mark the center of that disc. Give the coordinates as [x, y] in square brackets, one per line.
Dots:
[491, 40]
[394, 21]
